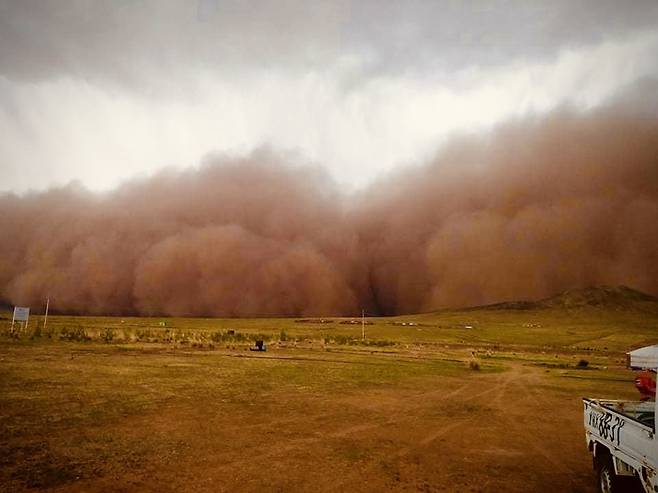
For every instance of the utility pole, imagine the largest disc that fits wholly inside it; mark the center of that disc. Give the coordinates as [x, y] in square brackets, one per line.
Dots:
[363, 324]
[45, 317]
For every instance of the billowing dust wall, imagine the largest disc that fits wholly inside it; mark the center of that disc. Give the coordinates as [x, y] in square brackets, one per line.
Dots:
[537, 206]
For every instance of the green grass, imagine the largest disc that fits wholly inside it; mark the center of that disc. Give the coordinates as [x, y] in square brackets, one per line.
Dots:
[578, 329]
[62, 401]
[77, 397]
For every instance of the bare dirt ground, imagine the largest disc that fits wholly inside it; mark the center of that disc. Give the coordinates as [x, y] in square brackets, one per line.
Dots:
[507, 431]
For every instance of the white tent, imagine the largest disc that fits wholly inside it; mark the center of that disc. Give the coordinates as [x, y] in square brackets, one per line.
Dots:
[644, 358]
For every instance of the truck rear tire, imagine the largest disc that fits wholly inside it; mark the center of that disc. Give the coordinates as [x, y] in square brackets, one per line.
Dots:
[606, 478]
[609, 482]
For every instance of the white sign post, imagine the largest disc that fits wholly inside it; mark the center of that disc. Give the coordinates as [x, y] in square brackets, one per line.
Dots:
[45, 317]
[21, 314]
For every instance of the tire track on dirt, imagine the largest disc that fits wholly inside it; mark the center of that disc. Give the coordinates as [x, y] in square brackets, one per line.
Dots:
[525, 380]
[509, 391]
[411, 404]
[503, 382]
[529, 392]
[505, 392]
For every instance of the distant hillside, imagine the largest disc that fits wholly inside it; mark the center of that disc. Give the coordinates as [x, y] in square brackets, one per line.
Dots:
[618, 298]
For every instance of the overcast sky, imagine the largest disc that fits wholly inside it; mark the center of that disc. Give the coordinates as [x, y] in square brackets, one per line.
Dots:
[101, 91]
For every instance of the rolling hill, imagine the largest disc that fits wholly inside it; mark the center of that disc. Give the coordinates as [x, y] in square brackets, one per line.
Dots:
[616, 298]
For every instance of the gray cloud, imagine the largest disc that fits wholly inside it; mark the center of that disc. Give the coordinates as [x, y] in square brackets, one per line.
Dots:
[454, 34]
[128, 42]
[102, 91]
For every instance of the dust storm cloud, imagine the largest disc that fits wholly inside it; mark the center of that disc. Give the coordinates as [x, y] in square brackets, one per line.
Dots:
[537, 206]
[235, 237]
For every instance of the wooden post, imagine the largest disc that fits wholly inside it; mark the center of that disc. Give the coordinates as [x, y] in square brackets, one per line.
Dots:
[45, 317]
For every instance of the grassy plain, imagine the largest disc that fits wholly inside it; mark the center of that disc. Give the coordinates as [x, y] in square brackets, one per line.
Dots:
[164, 404]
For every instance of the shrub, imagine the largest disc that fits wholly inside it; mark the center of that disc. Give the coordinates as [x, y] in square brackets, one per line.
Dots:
[474, 365]
[344, 340]
[352, 341]
[37, 332]
[217, 336]
[235, 336]
[144, 335]
[15, 332]
[107, 335]
[77, 334]
[378, 342]
[582, 364]
[260, 337]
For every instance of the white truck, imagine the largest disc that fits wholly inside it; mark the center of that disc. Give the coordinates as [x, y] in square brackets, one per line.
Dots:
[621, 435]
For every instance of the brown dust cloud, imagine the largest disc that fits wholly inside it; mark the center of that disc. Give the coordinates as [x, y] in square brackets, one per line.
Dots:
[537, 206]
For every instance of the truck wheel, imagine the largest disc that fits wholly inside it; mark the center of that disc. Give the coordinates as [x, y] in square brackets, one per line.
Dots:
[607, 479]
[609, 482]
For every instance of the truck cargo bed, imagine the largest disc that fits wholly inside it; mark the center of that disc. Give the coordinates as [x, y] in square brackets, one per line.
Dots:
[640, 411]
